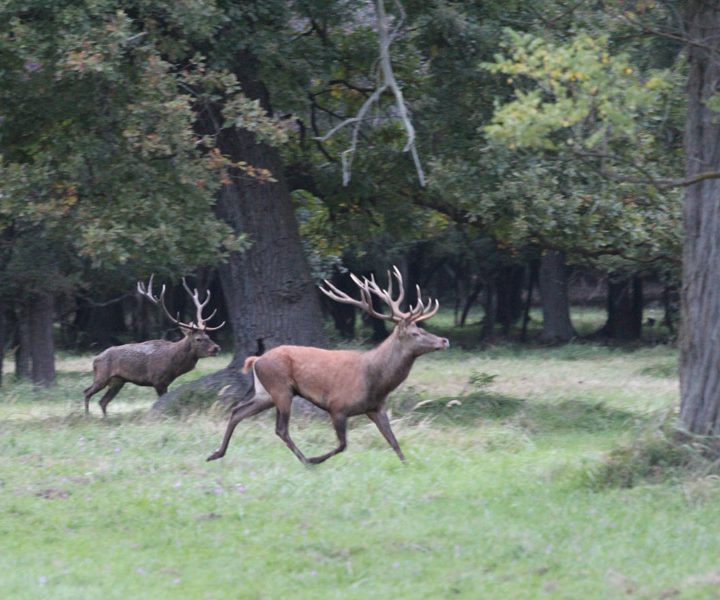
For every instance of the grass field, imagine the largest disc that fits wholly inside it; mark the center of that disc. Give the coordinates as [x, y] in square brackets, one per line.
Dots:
[497, 500]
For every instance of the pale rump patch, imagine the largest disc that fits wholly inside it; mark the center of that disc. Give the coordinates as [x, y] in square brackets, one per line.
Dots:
[260, 392]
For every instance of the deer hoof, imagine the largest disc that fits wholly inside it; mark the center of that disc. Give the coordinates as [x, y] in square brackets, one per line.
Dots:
[214, 456]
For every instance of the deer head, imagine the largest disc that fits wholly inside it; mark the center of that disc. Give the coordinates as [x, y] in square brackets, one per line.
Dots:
[416, 339]
[195, 332]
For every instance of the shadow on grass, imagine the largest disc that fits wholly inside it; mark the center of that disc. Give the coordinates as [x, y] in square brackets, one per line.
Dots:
[78, 419]
[668, 369]
[537, 417]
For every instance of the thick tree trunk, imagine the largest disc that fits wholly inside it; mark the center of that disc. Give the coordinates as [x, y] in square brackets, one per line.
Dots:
[470, 300]
[343, 314]
[487, 332]
[22, 344]
[42, 348]
[267, 289]
[700, 299]
[624, 310]
[533, 273]
[553, 284]
[3, 339]
[509, 296]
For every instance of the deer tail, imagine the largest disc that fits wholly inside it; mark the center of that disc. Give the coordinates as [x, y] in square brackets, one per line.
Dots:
[249, 362]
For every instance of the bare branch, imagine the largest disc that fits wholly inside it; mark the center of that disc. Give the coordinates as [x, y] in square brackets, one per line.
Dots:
[387, 78]
[646, 178]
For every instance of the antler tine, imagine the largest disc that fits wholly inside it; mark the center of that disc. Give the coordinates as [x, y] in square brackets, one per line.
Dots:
[370, 285]
[148, 293]
[422, 311]
[335, 294]
[195, 295]
[401, 294]
[365, 302]
[216, 326]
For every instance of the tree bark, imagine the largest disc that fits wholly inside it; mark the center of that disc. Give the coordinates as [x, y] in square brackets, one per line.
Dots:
[624, 309]
[343, 315]
[487, 332]
[509, 296]
[22, 344]
[553, 285]
[700, 297]
[533, 274]
[42, 348]
[3, 339]
[268, 290]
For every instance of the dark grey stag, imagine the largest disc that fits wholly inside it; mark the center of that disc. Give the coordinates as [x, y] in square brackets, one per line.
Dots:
[155, 363]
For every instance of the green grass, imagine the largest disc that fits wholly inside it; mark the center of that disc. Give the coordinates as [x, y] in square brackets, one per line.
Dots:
[494, 501]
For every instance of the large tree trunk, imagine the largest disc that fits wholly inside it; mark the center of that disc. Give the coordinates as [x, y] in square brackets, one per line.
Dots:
[624, 309]
[343, 314]
[268, 289]
[270, 296]
[700, 300]
[42, 349]
[3, 339]
[553, 284]
[510, 282]
[487, 331]
[22, 344]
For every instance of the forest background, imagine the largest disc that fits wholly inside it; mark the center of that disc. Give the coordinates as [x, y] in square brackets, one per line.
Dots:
[248, 145]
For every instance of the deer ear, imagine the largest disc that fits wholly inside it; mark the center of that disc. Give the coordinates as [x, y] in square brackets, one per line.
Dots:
[186, 331]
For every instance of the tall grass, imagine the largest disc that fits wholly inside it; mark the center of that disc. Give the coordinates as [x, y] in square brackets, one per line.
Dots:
[496, 499]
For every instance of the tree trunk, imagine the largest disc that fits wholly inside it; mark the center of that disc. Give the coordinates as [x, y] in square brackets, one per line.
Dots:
[624, 310]
[553, 285]
[22, 344]
[487, 331]
[42, 349]
[343, 315]
[700, 296]
[268, 290]
[670, 305]
[533, 269]
[509, 296]
[470, 300]
[3, 339]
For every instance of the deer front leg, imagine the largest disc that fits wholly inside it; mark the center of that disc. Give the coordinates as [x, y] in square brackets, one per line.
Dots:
[380, 418]
[239, 413]
[340, 424]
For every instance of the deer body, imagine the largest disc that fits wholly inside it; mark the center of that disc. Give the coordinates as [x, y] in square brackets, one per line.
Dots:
[155, 363]
[344, 383]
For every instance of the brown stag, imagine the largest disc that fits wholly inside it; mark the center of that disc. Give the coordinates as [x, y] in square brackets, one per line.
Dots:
[155, 363]
[344, 383]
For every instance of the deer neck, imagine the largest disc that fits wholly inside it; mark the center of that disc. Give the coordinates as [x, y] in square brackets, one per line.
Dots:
[184, 356]
[389, 364]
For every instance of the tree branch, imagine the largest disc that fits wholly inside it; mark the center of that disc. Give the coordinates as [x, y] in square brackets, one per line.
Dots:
[387, 77]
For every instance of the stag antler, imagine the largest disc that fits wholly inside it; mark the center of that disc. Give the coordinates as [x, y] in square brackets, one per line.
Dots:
[201, 324]
[369, 287]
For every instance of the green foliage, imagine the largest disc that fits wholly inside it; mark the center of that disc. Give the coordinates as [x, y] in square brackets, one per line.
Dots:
[581, 90]
[104, 163]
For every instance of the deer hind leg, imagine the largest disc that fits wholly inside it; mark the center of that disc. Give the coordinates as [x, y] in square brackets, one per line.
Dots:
[283, 402]
[95, 387]
[340, 425]
[240, 412]
[380, 418]
[115, 386]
